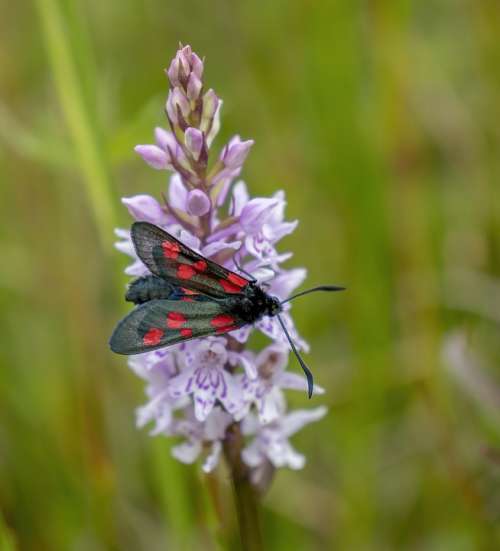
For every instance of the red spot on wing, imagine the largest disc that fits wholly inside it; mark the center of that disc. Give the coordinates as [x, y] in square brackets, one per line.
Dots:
[153, 336]
[222, 320]
[200, 266]
[237, 280]
[185, 271]
[229, 287]
[233, 283]
[186, 332]
[175, 320]
[170, 249]
[187, 299]
[226, 329]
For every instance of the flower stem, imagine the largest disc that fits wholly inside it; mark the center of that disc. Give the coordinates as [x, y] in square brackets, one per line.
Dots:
[245, 495]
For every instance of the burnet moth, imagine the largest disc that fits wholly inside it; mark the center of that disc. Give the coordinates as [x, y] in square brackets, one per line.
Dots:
[189, 296]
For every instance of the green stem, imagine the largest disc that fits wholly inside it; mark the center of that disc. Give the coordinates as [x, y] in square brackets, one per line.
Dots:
[245, 495]
[83, 130]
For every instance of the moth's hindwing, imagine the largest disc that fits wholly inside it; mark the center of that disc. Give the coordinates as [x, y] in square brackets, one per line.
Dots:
[151, 287]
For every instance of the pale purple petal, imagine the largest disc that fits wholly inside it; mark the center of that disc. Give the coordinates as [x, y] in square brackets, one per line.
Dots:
[293, 381]
[177, 193]
[125, 246]
[198, 202]
[171, 108]
[286, 282]
[277, 231]
[261, 274]
[251, 455]
[136, 269]
[241, 335]
[204, 401]
[196, 65]
[271, 406]
[163, 418]
[210, 105]
[165, 140]
[250, 425]
[239, 198]
[249, 365]
[189, 240]
[272, 328]
[223, 190]
[232, 397]
[213, 248]
[214, 129]
[273, 359]
[212, 458]
[183, 384]
[187, 452]
[145, 208]
[194, 86]
[294, 421]
[255, 213]
[283, 454]
[210, 116]
[216, 424]
[154, 156]
[224, 233]
[235, 152]
[194, 141]
[178, 100]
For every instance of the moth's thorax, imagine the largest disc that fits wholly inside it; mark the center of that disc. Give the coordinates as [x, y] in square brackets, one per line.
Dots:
[254, 303]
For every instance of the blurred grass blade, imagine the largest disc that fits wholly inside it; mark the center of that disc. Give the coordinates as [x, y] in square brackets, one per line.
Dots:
[83, 129]
[31, 143]
[6, 539]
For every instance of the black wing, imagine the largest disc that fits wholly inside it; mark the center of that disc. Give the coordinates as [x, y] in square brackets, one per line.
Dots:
[168, 258]
[160, 323]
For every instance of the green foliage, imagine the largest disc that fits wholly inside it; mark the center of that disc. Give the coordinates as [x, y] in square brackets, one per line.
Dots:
[380, 120]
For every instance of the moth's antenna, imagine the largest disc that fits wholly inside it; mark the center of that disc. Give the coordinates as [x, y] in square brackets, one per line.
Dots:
[250, 276]
[313, 290]
[309, 376]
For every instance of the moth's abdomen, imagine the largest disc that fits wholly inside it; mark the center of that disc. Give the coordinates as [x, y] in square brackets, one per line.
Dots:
[148, 288]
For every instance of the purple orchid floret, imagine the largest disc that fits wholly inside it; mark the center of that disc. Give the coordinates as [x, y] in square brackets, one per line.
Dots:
[197, 389]
[204, 377]
[270, 443]
[264, 389]
[198, 435]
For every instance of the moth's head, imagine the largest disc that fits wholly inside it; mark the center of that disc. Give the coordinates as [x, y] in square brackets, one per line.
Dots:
[273, 306]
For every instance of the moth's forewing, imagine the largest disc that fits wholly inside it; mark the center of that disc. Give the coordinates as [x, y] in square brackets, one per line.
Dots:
[168, 258]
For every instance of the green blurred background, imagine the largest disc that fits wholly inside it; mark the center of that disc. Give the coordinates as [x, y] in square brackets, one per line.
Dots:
[381, 122]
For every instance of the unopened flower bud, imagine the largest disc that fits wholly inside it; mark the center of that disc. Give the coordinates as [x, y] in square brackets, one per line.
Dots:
[177, 100]
[235, 152]
[184, 64]
[198, 203]
[165, 140]
[154, 156]
[194, 142]
[194, 86]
